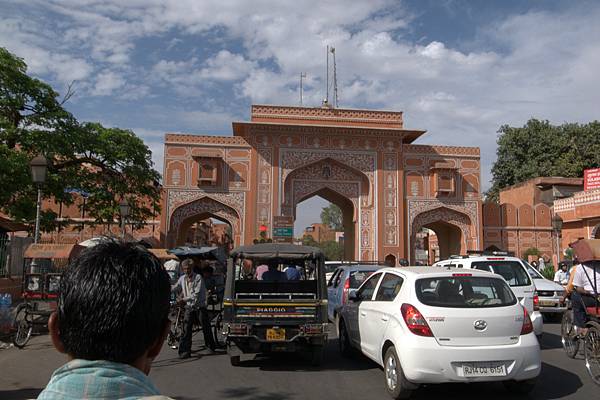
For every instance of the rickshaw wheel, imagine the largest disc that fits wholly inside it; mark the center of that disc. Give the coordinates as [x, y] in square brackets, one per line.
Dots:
[569, 338]
[23, 324]
[591, 346]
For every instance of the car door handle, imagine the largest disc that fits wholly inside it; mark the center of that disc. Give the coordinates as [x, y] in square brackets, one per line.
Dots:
[385, 318]
[363, 314]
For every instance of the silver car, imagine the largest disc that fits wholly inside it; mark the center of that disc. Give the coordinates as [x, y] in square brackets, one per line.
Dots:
[549, 293]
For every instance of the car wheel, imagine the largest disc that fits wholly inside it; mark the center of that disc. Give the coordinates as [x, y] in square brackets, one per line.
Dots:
[344, 340]
[519, 387]
[395, 382]
[234, 360]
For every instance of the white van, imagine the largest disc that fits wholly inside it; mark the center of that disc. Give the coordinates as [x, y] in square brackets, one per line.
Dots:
[514, 272]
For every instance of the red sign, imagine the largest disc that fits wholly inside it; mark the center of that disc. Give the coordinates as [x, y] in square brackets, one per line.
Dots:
[591, 179]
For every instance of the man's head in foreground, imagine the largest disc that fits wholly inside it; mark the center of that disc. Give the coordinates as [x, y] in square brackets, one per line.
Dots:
[113, 305]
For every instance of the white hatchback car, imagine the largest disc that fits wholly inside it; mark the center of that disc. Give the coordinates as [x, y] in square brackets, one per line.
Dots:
[514, 271]
[427, 325]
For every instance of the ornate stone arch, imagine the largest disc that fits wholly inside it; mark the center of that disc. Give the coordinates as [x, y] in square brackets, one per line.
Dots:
[205, 206]
[595, 233]
[442, 215]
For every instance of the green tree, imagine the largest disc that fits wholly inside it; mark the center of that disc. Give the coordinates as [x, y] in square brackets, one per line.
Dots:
[332, 217]
[333, 250]
[107, 163]
[532, 251]
[308, 240]
[542, 149]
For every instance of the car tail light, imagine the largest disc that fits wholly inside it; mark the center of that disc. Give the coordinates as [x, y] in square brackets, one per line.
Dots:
[415, 321]
[536, 302]
[345, 291]
[527, 324]
[495, 258]
[462, 274]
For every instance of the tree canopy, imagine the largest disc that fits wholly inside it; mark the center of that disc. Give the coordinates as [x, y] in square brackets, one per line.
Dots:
[332, 217]
[107, 164]
[542, 149]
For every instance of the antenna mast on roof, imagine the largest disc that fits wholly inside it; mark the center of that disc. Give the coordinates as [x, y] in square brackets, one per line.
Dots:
[335, 87]
[326, 99]
[302, 75]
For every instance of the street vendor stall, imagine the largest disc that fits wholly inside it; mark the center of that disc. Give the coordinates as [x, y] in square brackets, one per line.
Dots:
[42, 271]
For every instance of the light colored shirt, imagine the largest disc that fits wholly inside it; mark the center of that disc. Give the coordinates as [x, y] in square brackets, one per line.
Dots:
[561, 277]
[84, 379]
[587, 281]
[260, 270]
[192, 290]
[541, 264]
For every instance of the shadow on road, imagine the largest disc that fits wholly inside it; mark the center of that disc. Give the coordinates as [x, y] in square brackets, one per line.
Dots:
[19, 394]
[332, 360]
[550, 341]
[254, 393]
[546, 388]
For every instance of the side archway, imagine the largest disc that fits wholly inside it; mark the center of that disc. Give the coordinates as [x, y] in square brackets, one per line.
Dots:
[185, 215]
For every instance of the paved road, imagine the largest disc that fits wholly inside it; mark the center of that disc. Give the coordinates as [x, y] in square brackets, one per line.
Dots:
[23, 373]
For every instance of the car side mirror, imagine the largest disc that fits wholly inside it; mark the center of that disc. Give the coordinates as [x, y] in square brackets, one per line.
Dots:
[354, 296]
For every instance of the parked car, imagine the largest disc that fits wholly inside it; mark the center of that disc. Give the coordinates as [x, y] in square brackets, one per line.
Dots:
[345, 279]
[427, 325]
[332, 266]
[549, 294]
[513, 270]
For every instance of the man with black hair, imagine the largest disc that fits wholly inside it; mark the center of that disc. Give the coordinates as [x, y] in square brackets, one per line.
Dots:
[111, 322]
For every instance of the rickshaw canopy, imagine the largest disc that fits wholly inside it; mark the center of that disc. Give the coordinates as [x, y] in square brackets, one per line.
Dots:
[277, 250]
[205, 253]
[52, 251]
[586, 249]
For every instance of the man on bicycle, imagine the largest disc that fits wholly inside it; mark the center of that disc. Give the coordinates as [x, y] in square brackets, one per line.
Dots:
[587, 283]
[192, 289]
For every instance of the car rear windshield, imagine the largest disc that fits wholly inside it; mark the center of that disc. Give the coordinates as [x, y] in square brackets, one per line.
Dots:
[512, 271]
[464, 292]
[358, 277]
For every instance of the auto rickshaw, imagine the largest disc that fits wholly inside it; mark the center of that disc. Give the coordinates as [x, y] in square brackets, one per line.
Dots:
[265, 312]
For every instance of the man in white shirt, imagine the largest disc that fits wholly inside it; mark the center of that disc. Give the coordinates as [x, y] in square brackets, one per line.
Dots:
[562, 275]
[587, 284]
[193, 295]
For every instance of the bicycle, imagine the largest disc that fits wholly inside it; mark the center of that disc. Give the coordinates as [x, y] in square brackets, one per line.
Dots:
[177, 312]
[572, 341]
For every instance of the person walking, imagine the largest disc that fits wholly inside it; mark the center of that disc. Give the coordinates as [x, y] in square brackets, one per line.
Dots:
[192, 290]
[111, 322]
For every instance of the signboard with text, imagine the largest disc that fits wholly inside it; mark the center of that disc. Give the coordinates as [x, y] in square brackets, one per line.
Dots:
[283, 229]
[591, 179]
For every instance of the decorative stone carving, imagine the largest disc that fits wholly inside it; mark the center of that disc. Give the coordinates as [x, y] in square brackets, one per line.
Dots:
[234, 200]
[207, 206]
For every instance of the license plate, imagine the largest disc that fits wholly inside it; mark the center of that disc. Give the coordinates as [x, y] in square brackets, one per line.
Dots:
[483, 369]
[547, 303]
[275, 334]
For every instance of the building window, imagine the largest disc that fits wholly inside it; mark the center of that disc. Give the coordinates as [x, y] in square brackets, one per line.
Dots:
[208, 171]
[444, 183]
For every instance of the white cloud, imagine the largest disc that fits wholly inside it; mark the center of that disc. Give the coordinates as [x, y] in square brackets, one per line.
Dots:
[107, 82]
[546, 68]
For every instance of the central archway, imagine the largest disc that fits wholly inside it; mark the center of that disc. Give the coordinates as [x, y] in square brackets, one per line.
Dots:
[451, 227]
[348, 219]
[343, 186]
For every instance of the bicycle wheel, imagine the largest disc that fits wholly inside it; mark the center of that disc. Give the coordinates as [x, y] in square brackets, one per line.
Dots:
[569, 339]
[217, 326]
[23, 324]
[176, 330]
[591, 349]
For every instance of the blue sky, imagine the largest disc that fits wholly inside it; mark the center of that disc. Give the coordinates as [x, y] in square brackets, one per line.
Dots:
[457, 68]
